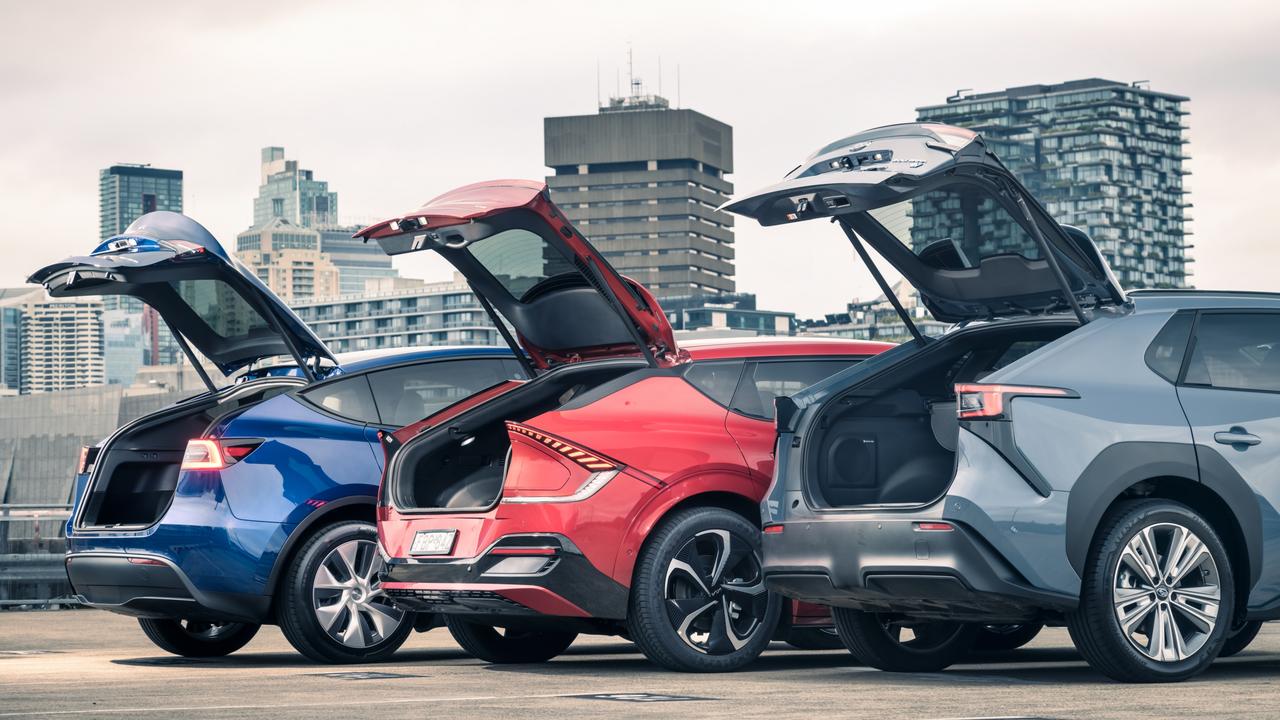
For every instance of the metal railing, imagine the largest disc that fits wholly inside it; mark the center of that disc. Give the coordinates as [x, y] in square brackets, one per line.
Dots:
[32, 544]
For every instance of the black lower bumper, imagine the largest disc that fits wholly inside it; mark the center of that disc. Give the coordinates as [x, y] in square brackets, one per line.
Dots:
[887, 565]
[151, 586]
[565, 583]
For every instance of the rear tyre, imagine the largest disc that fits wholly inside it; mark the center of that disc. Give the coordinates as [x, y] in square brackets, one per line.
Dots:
[330, 606]
[880, 641]
[1157, 594]
[198, 638]
[508, 646]
[814, 639]
[1003, 638]
[698, 601]
[1240, 638]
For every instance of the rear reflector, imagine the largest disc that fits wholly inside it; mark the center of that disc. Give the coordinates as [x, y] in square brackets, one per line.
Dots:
[594, 463]
[977, 401]
[934, 527]
[144, 561]
[773, 529]
[524, 550]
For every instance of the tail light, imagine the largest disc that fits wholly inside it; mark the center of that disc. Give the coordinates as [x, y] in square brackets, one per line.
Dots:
[976, 401]
[88, 455]
[533, 476]
[211, 454]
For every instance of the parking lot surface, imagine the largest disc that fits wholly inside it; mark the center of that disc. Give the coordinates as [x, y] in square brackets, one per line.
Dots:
[86, 664]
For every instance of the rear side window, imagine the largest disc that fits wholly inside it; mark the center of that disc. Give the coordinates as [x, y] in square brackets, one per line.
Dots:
[408, 394]
[349, 398]
[1165, 353]
[716, 380]
[765, 381]
[1236, 351]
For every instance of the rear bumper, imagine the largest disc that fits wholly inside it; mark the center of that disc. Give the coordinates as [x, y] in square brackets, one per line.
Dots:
[518, 575]
[144, 585]
[883, 563]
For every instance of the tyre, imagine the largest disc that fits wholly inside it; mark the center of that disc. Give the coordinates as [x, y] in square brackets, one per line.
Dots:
[881, 641]
[698, 601]
[507, 646]
[1240, 638]
[330, 606]
[807, 638]
[1003, 638]
[1157, 594]
[198, 638]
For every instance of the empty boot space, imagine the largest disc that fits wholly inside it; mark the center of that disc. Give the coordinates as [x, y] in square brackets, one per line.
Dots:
[138, 485]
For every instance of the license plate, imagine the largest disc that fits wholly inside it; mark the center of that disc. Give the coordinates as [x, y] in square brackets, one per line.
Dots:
[432, 542]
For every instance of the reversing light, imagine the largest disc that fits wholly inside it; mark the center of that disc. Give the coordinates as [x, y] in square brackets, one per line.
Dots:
[977, 401]
[934, 527]
[202, 454]
[587, 460]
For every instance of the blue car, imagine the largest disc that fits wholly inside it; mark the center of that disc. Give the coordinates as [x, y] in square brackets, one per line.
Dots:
[254, 502]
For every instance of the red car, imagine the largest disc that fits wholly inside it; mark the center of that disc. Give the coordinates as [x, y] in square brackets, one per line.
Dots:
[618, 491]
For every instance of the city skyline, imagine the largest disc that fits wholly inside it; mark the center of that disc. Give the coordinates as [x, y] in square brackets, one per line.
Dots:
[387, 149]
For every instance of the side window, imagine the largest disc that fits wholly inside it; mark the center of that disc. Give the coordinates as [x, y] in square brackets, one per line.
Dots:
[1236, 351]
[716, 380]
[408, 394]
[764, 381]
[349, 398]
[1164, 355]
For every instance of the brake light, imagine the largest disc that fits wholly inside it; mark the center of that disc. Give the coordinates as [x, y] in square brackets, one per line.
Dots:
[976, 401]
[82, 465]
[202, 454]
[594, 463]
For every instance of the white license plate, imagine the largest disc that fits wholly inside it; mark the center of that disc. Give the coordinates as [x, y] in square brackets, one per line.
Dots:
[433, 542]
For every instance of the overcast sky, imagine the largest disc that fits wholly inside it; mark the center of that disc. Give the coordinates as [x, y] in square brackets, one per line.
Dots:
[393, 103]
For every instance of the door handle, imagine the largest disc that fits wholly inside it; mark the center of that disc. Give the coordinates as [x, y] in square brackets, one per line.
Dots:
[1237, 436]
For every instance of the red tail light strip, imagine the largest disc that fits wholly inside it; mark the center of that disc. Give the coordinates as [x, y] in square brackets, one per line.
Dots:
[574, 453]
[978, 401]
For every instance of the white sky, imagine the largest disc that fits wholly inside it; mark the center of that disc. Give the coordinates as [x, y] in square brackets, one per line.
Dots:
[393, 103]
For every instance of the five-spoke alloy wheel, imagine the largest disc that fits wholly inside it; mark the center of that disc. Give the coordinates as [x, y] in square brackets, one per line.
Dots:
[332, 608]
[1157, 596]
[699, 602]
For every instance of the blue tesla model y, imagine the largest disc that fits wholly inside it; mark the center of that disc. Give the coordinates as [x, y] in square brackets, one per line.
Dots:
[254, 502]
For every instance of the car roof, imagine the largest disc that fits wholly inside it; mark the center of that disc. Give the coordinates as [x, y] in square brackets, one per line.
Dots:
[1202, 299]
[361, 360]
[768, 346]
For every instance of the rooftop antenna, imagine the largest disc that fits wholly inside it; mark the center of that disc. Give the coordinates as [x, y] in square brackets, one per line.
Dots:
[631, 74]
[598, 83]
[677, 86]
[659, 74]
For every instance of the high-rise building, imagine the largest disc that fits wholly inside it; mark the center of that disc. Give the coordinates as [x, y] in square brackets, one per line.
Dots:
[127, 192]
[1102, 155]
[357, 261]
[287, 258]
[291, 193]
[134, 334]
[643, 181]
[400, 312]
[61, 343]
[878, 319]
[11, 300]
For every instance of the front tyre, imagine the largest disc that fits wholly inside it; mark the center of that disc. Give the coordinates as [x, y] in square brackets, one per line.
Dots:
[331, 608]
[1157, 594]
[198, 638]
[903, 645]
[698, 601]
[508, 646]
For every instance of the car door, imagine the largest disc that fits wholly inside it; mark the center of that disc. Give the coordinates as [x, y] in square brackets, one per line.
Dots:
[1230, 392]
[751, 411]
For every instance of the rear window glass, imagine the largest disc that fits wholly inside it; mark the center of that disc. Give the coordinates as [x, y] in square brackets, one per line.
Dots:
[349, 398]
[716, 380]
[519, 260]
[220, 307]
[766, 381]
[1236, 352]
[955, 227]
[1165, 353]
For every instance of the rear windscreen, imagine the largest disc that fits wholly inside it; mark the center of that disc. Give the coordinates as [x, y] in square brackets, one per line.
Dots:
[221, 308]
[955, 227]
[519, 260]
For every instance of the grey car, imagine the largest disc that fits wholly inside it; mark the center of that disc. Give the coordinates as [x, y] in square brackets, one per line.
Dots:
[1067, 453]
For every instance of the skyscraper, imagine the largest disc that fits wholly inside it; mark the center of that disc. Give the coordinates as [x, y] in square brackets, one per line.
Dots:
[287, 258]
[289, 192]
[134, 335]
[61, 343]
[357, 261]
[1102, 155]
[643, 181]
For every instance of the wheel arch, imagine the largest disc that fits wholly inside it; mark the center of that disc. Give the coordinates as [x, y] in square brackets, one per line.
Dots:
[359, 507]
[1171, 471]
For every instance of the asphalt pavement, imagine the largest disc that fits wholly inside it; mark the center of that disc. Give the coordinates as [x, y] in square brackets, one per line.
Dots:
[91, 664]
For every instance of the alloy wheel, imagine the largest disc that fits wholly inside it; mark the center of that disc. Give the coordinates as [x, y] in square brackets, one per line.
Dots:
[714, 592]
[348, 600]
[1167, 592]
